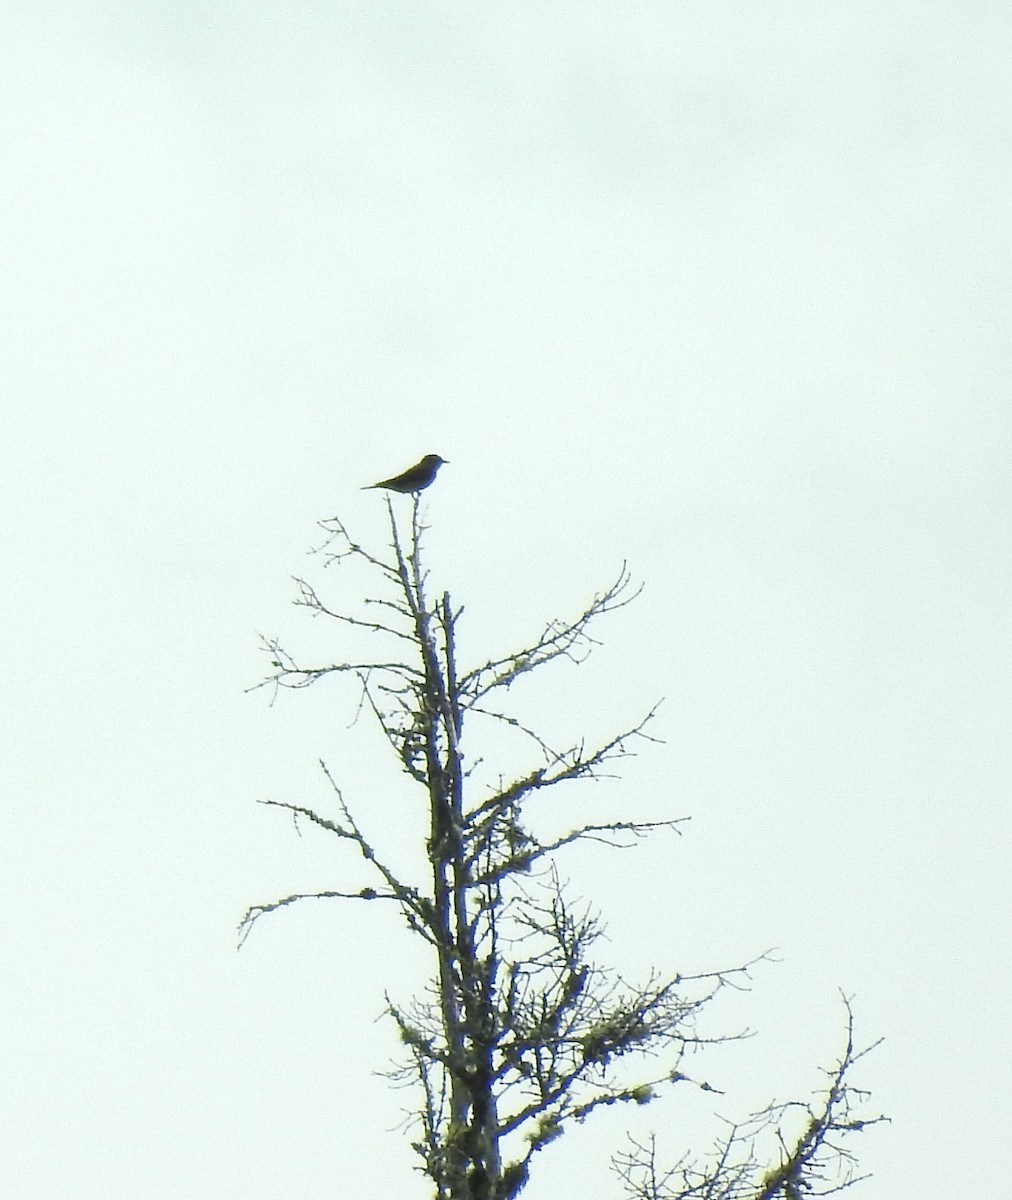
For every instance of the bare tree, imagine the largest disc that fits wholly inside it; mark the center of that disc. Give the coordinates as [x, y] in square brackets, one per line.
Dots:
[520, 1032]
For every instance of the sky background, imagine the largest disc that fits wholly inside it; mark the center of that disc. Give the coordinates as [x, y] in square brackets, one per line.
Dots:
[721, 290]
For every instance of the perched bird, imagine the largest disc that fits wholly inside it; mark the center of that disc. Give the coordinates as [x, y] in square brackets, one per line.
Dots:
[414, 478]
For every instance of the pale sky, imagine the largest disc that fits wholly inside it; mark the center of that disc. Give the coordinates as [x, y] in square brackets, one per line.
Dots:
[721, 290]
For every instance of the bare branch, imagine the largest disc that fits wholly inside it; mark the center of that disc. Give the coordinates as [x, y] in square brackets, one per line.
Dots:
[532, 851]
[288, 674]
[309, 598]
[568, 639]
[255, 911]
[339, 546]
[574, 763]
[813, 1161]
[416, 908]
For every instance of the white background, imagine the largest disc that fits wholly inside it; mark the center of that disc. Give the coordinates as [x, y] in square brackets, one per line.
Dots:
[718, 289]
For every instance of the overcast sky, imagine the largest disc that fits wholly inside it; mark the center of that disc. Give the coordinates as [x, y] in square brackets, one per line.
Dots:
[718, 289]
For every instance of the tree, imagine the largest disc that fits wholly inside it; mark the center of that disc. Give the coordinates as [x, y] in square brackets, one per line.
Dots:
[521, 1032]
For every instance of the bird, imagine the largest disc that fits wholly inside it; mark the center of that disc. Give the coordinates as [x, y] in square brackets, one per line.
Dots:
[414, 478]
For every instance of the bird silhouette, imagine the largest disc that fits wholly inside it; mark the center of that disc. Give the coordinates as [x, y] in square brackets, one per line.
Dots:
[414, 478]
